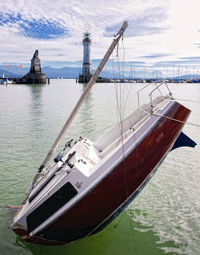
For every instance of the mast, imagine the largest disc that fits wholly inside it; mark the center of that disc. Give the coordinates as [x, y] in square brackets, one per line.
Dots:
[83, 96]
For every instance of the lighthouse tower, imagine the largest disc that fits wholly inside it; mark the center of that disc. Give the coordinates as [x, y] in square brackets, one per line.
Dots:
[87, 67]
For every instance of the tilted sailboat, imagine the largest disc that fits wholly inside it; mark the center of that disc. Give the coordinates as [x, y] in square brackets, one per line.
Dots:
[88, 186]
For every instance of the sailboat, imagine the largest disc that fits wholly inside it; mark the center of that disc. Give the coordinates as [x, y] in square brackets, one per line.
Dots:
[4, 80]
[91, 183]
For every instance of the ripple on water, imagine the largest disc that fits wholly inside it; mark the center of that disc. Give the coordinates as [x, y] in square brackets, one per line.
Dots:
[166, 214]
[171, 205]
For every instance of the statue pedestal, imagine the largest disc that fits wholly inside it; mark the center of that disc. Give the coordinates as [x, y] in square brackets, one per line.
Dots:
[35, 75]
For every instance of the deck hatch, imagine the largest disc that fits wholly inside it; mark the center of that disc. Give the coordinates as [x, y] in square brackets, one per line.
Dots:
[50, 206]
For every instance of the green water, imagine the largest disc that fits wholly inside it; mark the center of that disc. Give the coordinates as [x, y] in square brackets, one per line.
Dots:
[165, 216]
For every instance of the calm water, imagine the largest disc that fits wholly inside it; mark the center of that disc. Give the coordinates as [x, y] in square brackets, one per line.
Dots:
[164, 218]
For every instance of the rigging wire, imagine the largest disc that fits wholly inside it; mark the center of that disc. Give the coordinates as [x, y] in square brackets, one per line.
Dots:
[169, 118]
[187, 100]
[121, 105]
[110, 126]
[187, 123]
[119, 108]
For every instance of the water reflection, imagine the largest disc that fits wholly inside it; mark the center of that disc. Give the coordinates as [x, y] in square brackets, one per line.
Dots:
[86, 118]
[164, 217]
[36, 98]
[93, 245]
[36, 124]
[122, 232]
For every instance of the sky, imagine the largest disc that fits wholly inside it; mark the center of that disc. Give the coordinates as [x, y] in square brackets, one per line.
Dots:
[160, 33]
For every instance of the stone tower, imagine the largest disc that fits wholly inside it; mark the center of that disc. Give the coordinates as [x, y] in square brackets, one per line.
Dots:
[35, 75]
[87, 67]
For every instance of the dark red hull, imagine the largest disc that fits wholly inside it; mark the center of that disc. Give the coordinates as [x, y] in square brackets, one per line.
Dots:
[92, 212]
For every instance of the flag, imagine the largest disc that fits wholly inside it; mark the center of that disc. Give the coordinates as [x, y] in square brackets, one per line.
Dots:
[20, 66]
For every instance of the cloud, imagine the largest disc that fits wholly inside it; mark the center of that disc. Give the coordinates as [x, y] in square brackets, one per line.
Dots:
[38, 29]
[189, 61]
[156, 55]
[155, 32]
[145, 23]
[191, 58]
[43, 29]
[46, 25]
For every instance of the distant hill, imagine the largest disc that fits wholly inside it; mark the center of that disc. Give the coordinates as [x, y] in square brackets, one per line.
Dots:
[188, 77]
[8, 74]
[73, 72]
[68, 72]
[51, 72]
[64, 72]
[13, 71]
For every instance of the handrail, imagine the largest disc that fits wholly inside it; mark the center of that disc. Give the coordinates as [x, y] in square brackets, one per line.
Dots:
[138, 96]
[157, 88]
[150, 94]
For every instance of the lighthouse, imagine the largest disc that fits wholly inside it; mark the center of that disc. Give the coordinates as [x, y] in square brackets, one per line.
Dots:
[87, 67]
